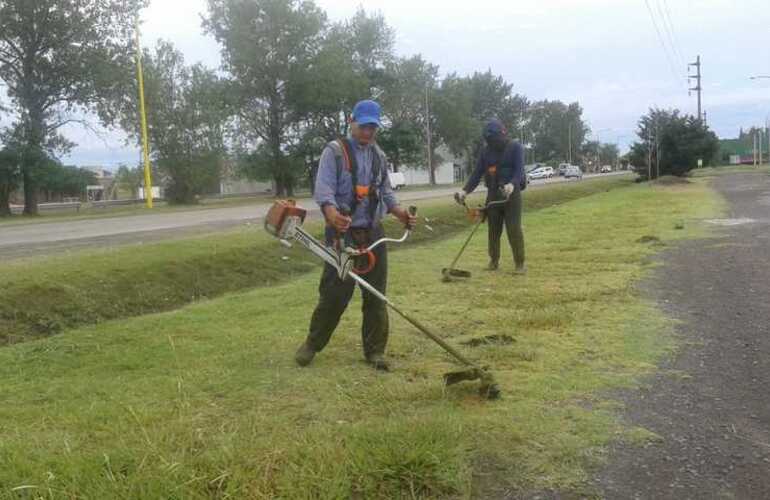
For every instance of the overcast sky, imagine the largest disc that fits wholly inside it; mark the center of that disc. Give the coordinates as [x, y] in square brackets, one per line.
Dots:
[606, 54]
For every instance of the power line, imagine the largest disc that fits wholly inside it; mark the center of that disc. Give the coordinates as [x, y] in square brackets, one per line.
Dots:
[665, 15]
[662, 42]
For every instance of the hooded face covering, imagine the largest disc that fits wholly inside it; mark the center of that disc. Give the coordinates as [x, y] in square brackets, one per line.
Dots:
[497, 142]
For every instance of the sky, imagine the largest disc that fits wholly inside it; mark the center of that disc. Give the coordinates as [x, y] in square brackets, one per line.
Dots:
[617, 58]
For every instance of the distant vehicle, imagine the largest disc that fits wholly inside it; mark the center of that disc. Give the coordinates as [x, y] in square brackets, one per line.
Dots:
[397, 180]
[573, 171]
[540, 173]
[563, 168]
[534, 166]
[606, 169]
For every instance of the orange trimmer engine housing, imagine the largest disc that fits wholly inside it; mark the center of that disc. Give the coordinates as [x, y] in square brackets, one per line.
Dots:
[279, 214]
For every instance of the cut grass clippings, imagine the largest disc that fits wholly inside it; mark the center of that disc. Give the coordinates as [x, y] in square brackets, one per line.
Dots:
[206, 401]
[46, 295]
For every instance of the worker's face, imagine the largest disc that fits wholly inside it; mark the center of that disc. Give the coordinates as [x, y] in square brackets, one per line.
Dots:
[364, 134]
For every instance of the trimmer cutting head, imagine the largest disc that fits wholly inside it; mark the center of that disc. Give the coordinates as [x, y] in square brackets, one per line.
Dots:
[489, 388]
[449, 274]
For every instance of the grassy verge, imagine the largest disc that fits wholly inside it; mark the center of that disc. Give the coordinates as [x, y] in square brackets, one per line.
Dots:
[727, 170]
[205, 402]
[44, 296]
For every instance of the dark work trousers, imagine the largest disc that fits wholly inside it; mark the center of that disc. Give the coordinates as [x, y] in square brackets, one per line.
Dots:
[510, 216]
[335, 294]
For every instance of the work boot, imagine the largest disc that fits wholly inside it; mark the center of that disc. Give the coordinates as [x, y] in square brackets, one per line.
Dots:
[520, 270]
[304, 355]
[378, 362]
[492, 266]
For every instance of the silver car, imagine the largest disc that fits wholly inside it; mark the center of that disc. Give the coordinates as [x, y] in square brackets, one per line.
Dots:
[573, 171]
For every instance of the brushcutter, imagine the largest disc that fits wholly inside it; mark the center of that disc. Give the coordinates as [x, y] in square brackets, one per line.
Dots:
[284, 221]
[478, 215]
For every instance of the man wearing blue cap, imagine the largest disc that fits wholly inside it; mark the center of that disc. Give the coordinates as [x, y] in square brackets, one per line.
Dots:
[354, 192]
[501, 164]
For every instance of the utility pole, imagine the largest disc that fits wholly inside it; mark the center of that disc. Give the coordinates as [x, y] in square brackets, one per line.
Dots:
[427, 127]
[698, 88]
[759, 134]
[569, 135]
[657, 150]
[143, 115]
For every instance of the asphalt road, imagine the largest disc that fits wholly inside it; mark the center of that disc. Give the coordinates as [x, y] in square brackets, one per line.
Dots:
[55, 237]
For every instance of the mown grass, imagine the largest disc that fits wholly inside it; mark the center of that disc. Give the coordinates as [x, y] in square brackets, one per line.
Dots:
[44, 296]
[728, 170]
[206, 402]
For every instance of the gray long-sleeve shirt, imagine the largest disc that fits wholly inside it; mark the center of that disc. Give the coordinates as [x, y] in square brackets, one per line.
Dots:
[328, 191]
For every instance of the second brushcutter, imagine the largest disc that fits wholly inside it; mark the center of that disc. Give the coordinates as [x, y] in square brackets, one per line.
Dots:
[478, 215]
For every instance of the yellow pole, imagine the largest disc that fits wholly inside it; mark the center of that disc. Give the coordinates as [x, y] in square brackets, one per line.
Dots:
[143, 113]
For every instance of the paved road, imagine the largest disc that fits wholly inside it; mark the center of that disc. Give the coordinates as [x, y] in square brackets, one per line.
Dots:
[711, 405]
[35, 238]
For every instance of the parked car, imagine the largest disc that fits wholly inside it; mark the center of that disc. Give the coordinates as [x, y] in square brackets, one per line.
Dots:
[573, 171]
[397, 180]
[563, 168]
[540, 173]
[606, 169]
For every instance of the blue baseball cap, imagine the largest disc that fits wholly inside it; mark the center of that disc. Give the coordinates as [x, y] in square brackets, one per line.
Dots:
[367, 113]
[493, 128]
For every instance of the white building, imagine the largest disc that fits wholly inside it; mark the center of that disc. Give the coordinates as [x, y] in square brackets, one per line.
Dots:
[449, 171]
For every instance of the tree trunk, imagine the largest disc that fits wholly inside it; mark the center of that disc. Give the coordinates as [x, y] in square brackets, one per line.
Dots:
[5, 201]
[30, 191]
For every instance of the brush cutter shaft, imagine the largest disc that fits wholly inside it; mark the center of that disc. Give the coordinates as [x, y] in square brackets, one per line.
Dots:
[435, 338]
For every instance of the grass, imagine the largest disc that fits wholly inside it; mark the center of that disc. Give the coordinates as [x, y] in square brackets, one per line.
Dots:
[727, 170]
[44, 296]
[205, 402]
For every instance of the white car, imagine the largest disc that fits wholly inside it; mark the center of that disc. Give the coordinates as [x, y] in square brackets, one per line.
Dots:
[606, 169]
[573, 171]
[397, 180]
[541, 173]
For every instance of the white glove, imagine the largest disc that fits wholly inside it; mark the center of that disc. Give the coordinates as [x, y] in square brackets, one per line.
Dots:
[460, 197]
[508, 190]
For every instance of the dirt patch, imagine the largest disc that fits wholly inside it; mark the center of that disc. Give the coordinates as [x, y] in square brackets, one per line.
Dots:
[490, 340]
[671, 180]
[647, 239]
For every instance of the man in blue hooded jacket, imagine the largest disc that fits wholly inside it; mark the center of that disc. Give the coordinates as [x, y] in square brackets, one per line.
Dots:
[501, 164]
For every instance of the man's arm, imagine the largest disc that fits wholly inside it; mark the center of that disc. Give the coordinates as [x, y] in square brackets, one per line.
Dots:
[475, 178]
[326, 189]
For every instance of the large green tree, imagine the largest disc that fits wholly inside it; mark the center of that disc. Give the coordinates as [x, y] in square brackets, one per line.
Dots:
[58, 58]
[462, 106]
[557, 131]
[671, 143]
[188, 110]
[265, 45]
[407, 84]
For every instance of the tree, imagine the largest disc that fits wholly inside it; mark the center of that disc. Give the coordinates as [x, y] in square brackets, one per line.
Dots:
[463, 105]
[58, 57]
[671, 144]
[403, 143]
[57, 181]
[406, 84]
[10, 175]
[557, 131]
[265, 45]
[187, 114]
